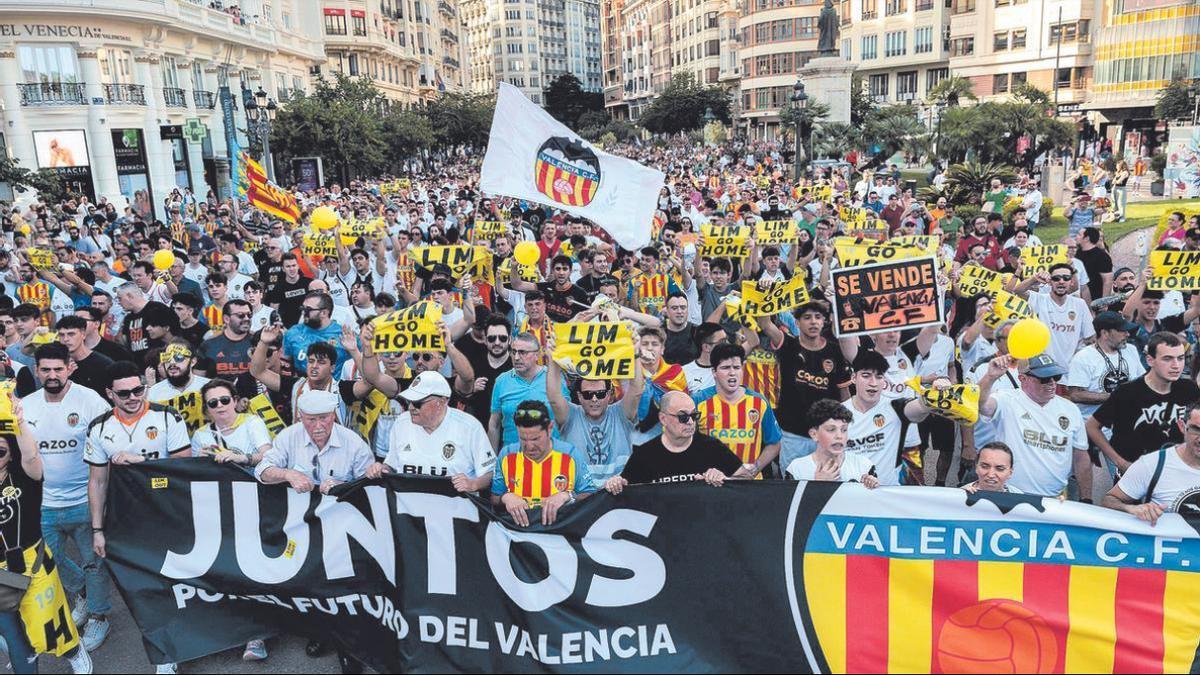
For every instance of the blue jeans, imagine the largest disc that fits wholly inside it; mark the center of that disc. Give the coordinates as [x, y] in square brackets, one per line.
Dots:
[793, 447]
[20, 652]
[75, 523]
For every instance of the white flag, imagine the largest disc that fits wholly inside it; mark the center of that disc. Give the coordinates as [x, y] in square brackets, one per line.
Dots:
[532, 156]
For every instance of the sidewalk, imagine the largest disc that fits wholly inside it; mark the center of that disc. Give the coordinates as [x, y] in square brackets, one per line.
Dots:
[1124, 250]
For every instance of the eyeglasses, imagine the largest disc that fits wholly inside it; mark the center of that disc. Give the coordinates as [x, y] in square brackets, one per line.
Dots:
[685, 417]
[522, 352]
[1061, 277]
[308, 310]
[219, 401]
[126, 393]
[239, 315]
[1047, 380]
[529, 415]
[497, 339]
[594, 395]
[424, 357]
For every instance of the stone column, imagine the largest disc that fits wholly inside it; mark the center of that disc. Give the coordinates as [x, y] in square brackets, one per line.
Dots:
[159, 163]
[16, 130]
[195, 156]
[100, 147]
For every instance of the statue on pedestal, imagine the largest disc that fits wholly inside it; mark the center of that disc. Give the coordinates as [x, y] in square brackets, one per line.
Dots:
[830, 27]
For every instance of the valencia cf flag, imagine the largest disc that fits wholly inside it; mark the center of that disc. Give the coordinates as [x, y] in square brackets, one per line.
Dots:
[262, 193]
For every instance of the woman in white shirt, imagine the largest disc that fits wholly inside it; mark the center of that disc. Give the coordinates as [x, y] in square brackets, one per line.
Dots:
[830, 422]
[229, 436]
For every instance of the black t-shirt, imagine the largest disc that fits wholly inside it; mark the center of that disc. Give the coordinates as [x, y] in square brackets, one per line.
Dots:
[248, 387]
[590, 285]
[112, 350]
[289, 296]
[270, 274]
[92, 372]
[222, 357]
[195, 334]
[1097, 262]
[479, 404]
[560, 305]
[806, 376]
[133, 330]
[20, 508]
[681, 345]
[651, 462]
[1142, 420]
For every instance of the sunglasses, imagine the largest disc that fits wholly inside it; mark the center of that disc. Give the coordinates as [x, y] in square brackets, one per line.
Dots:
[1060, 277]
[1047, 380]
[417, 405]
[424, 357]
[308, 310]
[595, 395]
[239, 315]
[219, 401]
[523, 352]
[497, 338]
[126, 393]
[685, 417]
[530, 416]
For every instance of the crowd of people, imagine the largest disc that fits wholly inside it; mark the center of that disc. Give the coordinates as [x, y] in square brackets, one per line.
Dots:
[103, 344]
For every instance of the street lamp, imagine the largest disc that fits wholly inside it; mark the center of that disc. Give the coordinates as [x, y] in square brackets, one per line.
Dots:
[260, 113]
[799, 104]
[1194, 90]
[940, 107]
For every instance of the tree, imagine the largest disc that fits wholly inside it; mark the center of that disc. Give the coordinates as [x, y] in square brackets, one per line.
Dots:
[993, 132]
[45, 182]
[860, 102]
[952, 90]
[835, 139]
[1174, 101]
[462, 118]
[966, 182]
[405, 133]
[1028, 93]
[567, 102]
[890, 129]
[682, 104]
[340, 121]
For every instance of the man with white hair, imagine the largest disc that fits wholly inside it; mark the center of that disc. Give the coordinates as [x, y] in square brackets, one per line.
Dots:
[316, 452]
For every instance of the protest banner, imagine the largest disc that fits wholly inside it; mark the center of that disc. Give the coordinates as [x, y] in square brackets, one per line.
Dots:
[853, 252]
[959, 402]
[42, 259]
[8, 421]
[724, 241]
[460, 258]
[1006, 306]
[487, 230]
[927, 243]
[1175, 271]
[886, 296]
[597, 350]
[260, 406]
[774, 298]
[976, 279]
[366, 229]
[1042, 258]
[775, 232]
[412, 329]
[190, 407]
[320, 244]
[527, 272]
[410, 576]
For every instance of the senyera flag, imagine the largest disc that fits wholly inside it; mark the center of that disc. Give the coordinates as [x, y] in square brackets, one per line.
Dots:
[262, 193]
[533, 157]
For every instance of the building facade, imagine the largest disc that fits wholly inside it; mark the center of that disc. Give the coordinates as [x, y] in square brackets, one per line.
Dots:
[778, 37]
[644, 34]
[899, 46]
[108, 95]
[696, 39]
[528, 43]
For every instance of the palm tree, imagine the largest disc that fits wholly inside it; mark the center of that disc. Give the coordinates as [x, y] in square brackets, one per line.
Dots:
[835, 139]
[951, 90]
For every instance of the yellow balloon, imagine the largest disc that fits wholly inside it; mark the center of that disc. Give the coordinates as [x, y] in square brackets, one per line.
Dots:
[163, 260]
[323, 218]
[1028, 338]
[527, 253]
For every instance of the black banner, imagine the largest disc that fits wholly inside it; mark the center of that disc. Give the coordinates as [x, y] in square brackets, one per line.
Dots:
[758, 576]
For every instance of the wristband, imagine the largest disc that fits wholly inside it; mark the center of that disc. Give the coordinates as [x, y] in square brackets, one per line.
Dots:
[97, 529]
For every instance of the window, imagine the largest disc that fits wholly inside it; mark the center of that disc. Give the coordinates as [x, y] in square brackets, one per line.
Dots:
[353, 61]
[892, 7]
[896, 43]
[879, 86]
[170, 72]
[335, 24]
[197, 76]
[1064, 78]
[49, 63]
[923, 40]
[870, 47]
[935, 75]
[962, 6]
[906, 86]
[1000, 83]
[870, 10]
[1071, 32]
[1018, 39]
[116, 66]
[962, 46]
[847, 50]
[1000, 42]
[360, 25]
[1017, 79]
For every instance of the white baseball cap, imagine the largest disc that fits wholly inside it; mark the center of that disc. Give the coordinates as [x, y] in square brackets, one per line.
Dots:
[428, 383]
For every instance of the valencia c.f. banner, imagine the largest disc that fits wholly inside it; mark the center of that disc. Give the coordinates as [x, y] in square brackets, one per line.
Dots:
[754, 576]
[567, 171]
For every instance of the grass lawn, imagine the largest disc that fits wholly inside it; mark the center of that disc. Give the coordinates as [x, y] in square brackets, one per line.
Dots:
[1138, 215]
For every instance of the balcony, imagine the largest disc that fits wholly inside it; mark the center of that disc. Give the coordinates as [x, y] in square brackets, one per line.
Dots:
[906, 96]
[448, 35]
[867, 16]
[450, 61]
[204, 99]
[879, 98]
[53, 93]
[125, 94]
[445, 8]
[174, 97]
[924, 5]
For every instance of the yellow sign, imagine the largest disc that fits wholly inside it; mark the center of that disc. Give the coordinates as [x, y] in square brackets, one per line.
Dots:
[527, 272]
[190, 407]
[261, 407]
[1006, 306]
[960, 402]
[724, 241]
[8, 422]
[412, 329]
[1042, 258]
[486, 230]
[976, 279]
[42, 259]
[775, 232]
[851, 253]
[320, 244]
[775, 298]
[1175, 271]
[460, 258]
[596, 350]
[356, 228]
[926, 242]
[367, 412]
